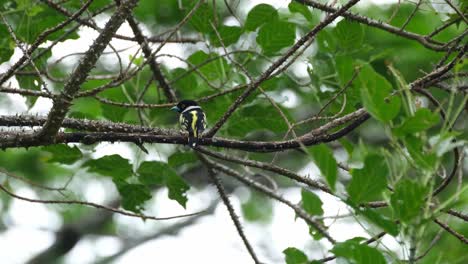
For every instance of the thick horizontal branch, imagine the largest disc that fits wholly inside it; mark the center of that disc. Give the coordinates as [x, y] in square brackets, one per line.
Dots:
[138, 135]
[82, 125]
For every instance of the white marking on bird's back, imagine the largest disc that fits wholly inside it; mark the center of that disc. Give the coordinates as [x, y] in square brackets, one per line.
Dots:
[193, 107]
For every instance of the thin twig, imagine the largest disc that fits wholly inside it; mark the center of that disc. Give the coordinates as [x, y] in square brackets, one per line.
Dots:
[95, 205]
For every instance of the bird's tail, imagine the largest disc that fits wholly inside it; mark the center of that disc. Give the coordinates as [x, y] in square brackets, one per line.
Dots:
[192, 141]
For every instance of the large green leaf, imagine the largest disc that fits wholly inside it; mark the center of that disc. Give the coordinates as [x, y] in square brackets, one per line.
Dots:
[323, 157]
[350, 34]
[177, 188]
[85, 108]
[295, 7]
[161, 11]
[31, 19]
[423, 158]
[375, 95]
[229, 35]
[153, 172]
[133, 195]
[344, 68]
[260, 15]
[276, 35]
[368, 183]
[111, 112]
[63, 153]
[355, 252]
[114, 166]
[33, 82]
[257, 208]
[311, 203]
[181, 158]
[212, 69]
[6, 44]
[407, 200]
[203, 18]
[256, 117]
[422, 120]
[156, 172]
[378, 219]
[294, 256]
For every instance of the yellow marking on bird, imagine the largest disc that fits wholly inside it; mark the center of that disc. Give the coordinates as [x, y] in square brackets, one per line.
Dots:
[194, 122]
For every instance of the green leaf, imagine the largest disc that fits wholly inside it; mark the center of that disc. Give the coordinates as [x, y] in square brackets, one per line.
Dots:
[114, 166]
[323, 157]
[181, 158]
[407, 200]
[33, 82]
[344, 68]
[260, 15]
[6, 45]
[111, 112]
[258, 208]
[177, 188]
[378, 219]
[156, 172]
[350, 34]
[85, 108]
[294, 256]
[347, 145]
[229, 35]
[159, 12]
[311, 203]
[355, 252]
[133, 196]
[37, 19]
[63, 154]
[422, 120]
[202, 18]
[153, 172]
[375, 95]
[369, 182]
[445, 141]
[424, 159]
[302, 9]
[276, 35]
[315, 233]
[215, 69]
[256, 117]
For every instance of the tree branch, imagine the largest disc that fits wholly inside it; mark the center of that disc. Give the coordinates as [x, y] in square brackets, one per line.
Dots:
[316, 136]
[224, 197]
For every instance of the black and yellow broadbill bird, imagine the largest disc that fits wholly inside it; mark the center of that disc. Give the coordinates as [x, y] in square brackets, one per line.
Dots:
[192, 119]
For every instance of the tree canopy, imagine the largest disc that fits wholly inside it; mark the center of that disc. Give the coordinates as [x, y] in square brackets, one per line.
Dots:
[364, 103]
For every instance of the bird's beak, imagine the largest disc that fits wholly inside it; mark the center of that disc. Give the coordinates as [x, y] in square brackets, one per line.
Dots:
[175, 108]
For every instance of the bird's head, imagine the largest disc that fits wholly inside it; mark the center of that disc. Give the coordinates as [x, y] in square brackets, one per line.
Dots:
[184, 104]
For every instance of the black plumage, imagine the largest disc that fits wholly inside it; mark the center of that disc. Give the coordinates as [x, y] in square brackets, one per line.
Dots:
[192, 119]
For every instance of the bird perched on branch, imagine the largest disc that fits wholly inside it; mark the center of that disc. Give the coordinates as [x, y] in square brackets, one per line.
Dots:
[192, 119]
